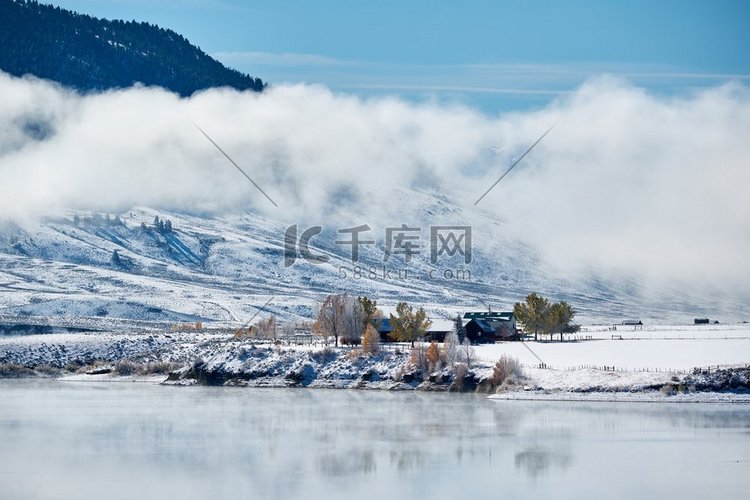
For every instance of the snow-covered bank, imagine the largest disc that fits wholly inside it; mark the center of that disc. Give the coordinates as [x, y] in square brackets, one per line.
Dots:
[60, 350]
[245, 364]
[217, 359]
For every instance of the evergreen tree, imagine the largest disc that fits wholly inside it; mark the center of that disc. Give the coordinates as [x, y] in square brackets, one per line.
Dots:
[115, 260]
[540, 316]
[458, 328]
[533, 313]
[369, 312]
[559, 317]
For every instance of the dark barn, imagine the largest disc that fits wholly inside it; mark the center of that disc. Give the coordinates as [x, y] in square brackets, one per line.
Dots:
[385, 329]
[488, 327]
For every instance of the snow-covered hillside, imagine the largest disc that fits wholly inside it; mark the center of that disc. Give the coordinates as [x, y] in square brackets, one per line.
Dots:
[223, 269]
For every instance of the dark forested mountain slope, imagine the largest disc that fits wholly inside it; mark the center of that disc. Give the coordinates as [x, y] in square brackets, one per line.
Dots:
[87, 53]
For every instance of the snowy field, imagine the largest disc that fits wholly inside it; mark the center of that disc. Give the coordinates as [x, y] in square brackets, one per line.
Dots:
[654, 348]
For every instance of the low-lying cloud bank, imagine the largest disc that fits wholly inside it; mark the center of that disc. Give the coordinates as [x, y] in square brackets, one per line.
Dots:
[627, 180]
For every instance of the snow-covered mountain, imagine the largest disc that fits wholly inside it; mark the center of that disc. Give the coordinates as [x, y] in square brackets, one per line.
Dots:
[224, 268]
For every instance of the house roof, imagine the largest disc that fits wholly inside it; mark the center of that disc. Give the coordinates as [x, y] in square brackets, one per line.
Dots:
[441, 325]
[385, 326]
[484, 325]
[491, 316]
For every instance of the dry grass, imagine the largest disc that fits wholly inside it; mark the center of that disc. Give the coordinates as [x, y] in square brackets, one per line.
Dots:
[126, 368]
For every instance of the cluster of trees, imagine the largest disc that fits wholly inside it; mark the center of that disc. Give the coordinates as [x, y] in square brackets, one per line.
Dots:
[348, 319]
[355, 321]
[539, 315]
[98, 220]
[269, 328]
[87, 53]
[161, 226]
[452, 354]
[265, 328]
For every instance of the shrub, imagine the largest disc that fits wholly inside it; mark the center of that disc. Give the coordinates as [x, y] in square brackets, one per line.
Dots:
[418, 358]
[47, 371]
[324, 355]
[461, 371]
[353, 354]
[433, 357]
[397, 374]
[13, 370]
[371, 340]
[124, 368]
[505, 369]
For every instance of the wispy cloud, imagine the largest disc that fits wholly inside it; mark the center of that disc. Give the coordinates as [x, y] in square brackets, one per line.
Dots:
[281, 59]
[541, 80]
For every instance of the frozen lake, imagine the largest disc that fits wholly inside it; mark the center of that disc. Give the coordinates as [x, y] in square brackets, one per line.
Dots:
[139, 440]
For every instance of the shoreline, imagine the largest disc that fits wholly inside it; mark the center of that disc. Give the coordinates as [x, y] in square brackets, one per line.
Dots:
[634, 396]
[186, 358]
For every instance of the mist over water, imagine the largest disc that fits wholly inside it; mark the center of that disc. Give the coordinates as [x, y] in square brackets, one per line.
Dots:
[137, 440]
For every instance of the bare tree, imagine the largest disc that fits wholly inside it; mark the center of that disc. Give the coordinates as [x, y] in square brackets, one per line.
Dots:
[326, 322]
[451, 346]
[340, 317]
[287, 331]
[468, 355]
[418, 357]
[265, 329]
[352, 320]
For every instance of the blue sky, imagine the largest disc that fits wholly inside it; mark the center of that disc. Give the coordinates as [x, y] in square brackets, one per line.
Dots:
[496, 55]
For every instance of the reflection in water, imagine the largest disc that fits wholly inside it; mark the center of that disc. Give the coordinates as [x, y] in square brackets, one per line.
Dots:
[407, 460]
[536, 461]
[348, 464]
[121, 440]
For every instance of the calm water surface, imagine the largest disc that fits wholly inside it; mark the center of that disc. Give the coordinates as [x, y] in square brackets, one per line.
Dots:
[136, 440]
